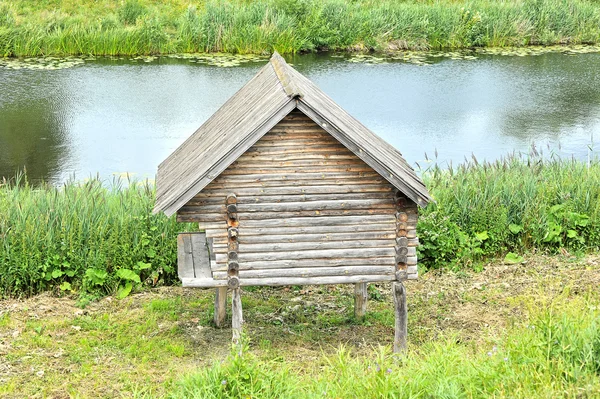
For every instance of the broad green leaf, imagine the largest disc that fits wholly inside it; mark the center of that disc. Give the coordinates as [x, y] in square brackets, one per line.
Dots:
[96, 276]
[127, 274]
[482, 236]
[124, 290]
[512, 258]
[571, 234]
[143, 265]
[56, 273]
[515, 228]
[66, 286]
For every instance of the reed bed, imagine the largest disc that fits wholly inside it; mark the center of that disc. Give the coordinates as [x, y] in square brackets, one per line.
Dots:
[141, 27]
[515, 204]
[97, 238]
[78, 236]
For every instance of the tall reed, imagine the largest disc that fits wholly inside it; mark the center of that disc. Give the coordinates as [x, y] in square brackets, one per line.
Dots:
[82, 234]
[261, 26]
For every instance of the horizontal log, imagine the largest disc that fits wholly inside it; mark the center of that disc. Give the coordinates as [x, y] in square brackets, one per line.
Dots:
[284, 150]
[320, 221]
[277, 281]
[250, 164]
[300, 140]
[311, 254]
[201, 200]
[312, 272]
[295, 157]
[311, 246]
[304, 230]
[292, 170]
[298, 176]
[324, 237]
[245, 217]
[298, 190]
[229, 185]
[294, 263]
[290, 206]
[249, 224]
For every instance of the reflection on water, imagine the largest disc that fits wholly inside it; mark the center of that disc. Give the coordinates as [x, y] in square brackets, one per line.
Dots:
[114, 116]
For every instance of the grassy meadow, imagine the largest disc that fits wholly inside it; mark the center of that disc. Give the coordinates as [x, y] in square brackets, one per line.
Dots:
[139, 27]
[510, 331]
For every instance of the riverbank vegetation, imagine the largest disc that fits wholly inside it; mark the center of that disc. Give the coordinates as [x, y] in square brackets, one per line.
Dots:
[95, 240]
[509, 331]
[142, 27]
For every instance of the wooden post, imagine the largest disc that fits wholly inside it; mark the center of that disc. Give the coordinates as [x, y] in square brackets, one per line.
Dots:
[220, 306]
[360, 300]
[233, 280]
[401, 316]
[236, 315]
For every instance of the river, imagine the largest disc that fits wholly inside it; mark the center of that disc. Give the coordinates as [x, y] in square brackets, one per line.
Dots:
[111, 116]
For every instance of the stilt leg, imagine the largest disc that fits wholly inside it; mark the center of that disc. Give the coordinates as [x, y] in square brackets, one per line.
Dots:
[220, 306]
[401, 317]
[360, 300]
[236, 315]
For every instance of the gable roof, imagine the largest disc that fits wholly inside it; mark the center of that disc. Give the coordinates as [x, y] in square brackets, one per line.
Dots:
[275, 91]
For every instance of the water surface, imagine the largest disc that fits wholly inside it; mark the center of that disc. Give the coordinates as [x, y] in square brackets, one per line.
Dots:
[109, 117]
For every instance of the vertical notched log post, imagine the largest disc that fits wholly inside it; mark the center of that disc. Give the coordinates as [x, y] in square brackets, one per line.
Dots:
[360, 300]
[399, 293]
[401, 315]
[220, 306]
[233, 267]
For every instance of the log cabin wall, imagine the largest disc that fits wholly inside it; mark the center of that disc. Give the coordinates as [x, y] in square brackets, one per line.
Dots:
[309, 211]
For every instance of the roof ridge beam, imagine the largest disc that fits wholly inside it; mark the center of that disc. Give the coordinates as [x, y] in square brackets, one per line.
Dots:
[280, 68]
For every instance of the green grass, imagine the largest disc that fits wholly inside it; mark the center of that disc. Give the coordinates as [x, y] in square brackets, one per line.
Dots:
[131, 27]
[89, 239]
[508, 331]
[83, 237]
[516, 204]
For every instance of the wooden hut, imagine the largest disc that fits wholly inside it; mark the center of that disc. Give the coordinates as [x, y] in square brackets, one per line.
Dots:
[289, 189]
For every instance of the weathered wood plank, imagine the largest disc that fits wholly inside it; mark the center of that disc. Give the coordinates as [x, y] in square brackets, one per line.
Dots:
[312, 246]
[295, 263]
[304, 230]
[339, 221]
[245, 217]
[325, 181]
[317, 254]
[185, 261]
[297, 190]
[280, 178]
[366, 204]
[312, 272]
[278, 281]
[325, 237]
[201, 199]
[200, 255]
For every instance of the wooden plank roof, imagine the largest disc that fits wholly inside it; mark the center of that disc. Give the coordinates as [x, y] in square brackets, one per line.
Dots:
[275, 91]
